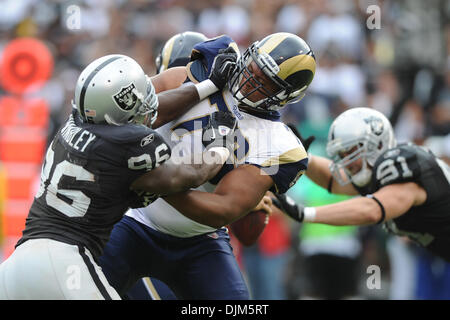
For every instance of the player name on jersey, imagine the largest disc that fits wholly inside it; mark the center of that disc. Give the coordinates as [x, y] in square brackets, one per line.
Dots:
[76, 137]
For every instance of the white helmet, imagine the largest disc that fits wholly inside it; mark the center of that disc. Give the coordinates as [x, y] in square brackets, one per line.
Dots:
[365, 130]
[115, 90]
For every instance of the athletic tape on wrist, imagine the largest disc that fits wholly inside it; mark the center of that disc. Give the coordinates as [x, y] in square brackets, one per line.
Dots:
[309, 214]
[223, 152]
[330, 184]
[205, 88]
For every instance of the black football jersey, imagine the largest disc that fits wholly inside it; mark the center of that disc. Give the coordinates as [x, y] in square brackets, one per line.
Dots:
[429, 223]
[86, 178]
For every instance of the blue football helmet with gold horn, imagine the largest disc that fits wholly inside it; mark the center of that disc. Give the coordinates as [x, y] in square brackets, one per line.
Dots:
[286, 59]
[177, 50]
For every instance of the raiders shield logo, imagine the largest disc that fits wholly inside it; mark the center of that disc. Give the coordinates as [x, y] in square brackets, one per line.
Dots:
[376, 125]
[126, 98]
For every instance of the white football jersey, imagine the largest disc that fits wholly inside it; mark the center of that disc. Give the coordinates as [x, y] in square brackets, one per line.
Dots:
[265, 143]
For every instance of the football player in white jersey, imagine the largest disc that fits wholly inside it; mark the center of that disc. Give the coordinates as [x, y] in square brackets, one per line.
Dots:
[180, 239]
[99, 164]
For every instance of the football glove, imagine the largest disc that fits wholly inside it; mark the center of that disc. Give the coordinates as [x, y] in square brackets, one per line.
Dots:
[219, 132]
[223, 66]
[289, 207]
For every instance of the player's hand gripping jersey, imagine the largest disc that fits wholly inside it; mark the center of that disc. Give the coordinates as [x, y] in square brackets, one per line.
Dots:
[261, 141]
[106, 159]
[427, 224]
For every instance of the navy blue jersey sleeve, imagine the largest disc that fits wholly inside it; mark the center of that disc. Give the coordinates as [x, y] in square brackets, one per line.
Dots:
[135, 149]
[287, 170]
[147, 152]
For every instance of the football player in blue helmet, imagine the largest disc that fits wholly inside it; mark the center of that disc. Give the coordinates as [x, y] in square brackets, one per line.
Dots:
[184, 246]
[273, 72]
[404, 186]
[176, 52]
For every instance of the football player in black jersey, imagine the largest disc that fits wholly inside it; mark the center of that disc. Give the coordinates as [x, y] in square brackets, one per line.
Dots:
[403, 186]
[101, 162]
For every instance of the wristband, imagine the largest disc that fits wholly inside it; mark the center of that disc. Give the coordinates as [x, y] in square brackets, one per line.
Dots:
[205, 88]
[223, 152]
[330, 184]
[309, 214]
[383, 212]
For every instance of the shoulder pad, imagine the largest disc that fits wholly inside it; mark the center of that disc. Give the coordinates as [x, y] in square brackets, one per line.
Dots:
[124, 134]
[396, 165]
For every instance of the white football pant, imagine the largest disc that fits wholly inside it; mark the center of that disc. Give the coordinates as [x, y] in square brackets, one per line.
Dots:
[46, 269]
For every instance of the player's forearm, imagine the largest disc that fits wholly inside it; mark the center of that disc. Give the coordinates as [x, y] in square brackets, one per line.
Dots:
[169, 79]
[206, 208]
[180, 174]
[318, 170]
[191, 174]
[358, 211]
[237, 193]
[220, 208]
[174, 103]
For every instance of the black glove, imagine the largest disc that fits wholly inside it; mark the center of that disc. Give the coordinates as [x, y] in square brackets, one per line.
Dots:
[306, 143]
[289, 207]
[223, 66]
[219, 132]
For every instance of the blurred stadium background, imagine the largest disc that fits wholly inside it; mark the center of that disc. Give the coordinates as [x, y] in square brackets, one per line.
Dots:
[398, 64]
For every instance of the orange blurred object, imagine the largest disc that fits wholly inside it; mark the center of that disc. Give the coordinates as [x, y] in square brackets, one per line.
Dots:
[26, 63]
[15, 111]
[21, 180]
[16, 212]
[25, 144]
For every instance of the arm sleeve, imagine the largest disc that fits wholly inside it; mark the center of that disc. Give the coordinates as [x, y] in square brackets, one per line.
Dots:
[286, 169]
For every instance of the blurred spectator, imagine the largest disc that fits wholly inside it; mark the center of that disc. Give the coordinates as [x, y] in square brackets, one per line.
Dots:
[403, 259]
[440, 113]
[330, 254]
[337, 27]
[265, 262]
[411, 124]
[340, 77]
[419, 31]
[433, 277]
